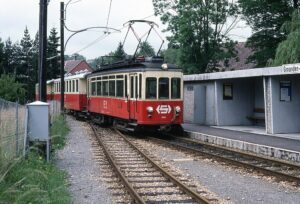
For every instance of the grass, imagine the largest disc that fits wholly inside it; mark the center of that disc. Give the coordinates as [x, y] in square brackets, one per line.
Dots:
[33, 180]
[59, 131]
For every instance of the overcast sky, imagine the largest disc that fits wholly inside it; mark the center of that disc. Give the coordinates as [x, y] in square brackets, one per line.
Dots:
[15, 15]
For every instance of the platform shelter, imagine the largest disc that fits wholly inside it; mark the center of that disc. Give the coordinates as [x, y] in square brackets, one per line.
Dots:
[267, 98]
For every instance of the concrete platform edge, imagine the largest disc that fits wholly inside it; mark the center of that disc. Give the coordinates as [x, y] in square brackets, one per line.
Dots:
[246, 146]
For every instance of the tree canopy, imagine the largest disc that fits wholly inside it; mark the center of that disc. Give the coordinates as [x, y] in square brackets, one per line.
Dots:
[266, 18]
[146, 50]
[288, 51]
[20, 61]
[11, 90]
[198, 30]
[53, 65]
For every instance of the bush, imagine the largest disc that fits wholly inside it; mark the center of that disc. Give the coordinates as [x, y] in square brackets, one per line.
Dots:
[33, 180]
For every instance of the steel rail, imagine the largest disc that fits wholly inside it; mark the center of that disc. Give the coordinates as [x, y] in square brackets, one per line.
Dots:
[248, 154]
[125, 181]
[237, 162]
[182, 186]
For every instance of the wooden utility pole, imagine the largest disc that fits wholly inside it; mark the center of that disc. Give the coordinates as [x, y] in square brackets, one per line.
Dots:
[42, 50]
[62, 57]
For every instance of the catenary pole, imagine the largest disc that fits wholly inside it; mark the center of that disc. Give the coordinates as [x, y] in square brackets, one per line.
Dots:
[42, 50]
[62, 57]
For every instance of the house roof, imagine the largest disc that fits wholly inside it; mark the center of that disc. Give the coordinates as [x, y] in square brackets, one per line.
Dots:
[71, 64]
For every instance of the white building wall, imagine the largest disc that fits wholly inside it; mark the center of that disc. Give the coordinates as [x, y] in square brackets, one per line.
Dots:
[285, 115]
[235, 111]
[199, 103]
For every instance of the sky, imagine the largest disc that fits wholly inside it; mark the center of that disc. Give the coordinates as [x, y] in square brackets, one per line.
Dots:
[15, 15]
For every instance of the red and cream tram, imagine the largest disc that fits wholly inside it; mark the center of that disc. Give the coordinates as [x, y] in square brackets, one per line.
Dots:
[144, 93]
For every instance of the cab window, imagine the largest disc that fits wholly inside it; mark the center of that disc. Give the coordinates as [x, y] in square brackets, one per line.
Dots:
[151, 88]
[175, 88]
[163, 88]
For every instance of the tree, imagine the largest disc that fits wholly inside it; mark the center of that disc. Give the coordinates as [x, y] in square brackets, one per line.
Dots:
[266, 17]
[288, 51]
[10, 89]
[25, 68]
[1, 57]
[120, 53]
[74, 56]
[198, 30]
[25, 58]
[171, 55]
[146, 50]
[8, 62]
[53, 68]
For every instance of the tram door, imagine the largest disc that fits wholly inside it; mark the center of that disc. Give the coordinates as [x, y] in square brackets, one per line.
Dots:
[133, 95]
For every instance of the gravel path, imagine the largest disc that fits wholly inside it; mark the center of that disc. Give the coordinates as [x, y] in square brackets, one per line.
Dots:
[229, 183]
[84, 172]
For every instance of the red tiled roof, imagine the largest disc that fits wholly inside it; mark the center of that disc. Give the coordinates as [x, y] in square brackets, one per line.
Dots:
[73, 66]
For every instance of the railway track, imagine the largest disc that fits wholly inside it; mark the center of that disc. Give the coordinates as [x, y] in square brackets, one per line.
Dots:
[283, 170]
[144, 178]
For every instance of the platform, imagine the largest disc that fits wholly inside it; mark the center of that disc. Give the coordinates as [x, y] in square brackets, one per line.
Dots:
[270, 145]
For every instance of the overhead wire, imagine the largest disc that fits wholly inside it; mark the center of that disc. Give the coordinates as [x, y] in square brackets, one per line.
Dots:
[109, 10]
[107, 33]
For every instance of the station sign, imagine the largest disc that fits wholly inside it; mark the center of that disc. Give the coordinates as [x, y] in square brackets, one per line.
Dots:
[291, 68]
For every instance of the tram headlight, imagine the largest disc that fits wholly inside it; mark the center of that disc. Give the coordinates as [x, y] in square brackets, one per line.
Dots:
[150, 109]
[164, 66]
[177, 109]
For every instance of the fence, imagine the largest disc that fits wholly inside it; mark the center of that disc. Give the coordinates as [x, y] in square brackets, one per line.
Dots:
[13, 122]
[54, 109]
[12, 131]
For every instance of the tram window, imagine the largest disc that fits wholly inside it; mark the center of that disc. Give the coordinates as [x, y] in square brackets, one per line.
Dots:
[93, 88]
[77, 88]
[105, 77]
[140, 85]
[132, 87]
[105, 88]
[120, 76]
[112, 77]
[112, 88]
[136, 87]
[175, 88]
[67, 87]
[120, 88]
[151, 85]
[126, 94]
[163, 88]
[73, 84]
[99, 88]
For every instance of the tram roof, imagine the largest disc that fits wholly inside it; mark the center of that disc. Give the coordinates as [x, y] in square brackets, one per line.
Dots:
[136, 66]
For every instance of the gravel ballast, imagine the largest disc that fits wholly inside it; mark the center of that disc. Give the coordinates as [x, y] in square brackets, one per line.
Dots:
[229, 183]
[84, 172]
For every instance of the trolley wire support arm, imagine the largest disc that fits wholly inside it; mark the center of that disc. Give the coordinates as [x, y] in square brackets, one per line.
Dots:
[147, 34]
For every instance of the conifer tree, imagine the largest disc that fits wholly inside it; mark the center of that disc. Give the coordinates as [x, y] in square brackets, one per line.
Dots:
[53, 68]
[8, 63]
[119, 53]
[146, 50]
[2, 70]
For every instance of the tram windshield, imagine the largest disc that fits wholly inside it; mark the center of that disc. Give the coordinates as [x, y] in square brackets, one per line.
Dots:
[151, 84]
